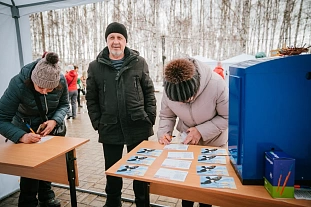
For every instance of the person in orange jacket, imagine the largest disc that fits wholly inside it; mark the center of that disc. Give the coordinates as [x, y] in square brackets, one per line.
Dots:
[218, 69]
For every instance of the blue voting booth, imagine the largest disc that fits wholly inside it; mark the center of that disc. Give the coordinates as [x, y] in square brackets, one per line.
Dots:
[270, 109]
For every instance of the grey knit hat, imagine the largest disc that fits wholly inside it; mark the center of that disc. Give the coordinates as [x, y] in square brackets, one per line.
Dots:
[116, 27]
[46, 74]
[182, 80]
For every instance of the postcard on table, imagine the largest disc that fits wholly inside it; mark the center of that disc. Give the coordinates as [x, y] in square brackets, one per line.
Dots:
[212, 170]
[45, 138]
[213, 151]
[183, 164]
[177, 175]
[217, 182]
[148, 151]
[132, 170]
[180, 155]
[143, 160]
[176, 147]
[212, 159]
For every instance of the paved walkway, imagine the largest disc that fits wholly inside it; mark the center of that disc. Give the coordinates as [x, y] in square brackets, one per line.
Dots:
[91, 171]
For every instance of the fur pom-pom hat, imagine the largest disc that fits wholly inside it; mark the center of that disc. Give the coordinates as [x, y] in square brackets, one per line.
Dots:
[46, 73]
[182, 80]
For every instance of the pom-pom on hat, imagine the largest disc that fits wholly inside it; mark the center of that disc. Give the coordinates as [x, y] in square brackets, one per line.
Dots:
[46, 73]
[116, 27]
[181, 80]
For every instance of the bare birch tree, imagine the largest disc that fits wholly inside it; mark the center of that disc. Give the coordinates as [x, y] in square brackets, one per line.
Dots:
[298, 22]
[274, 22]
[42, 32]
[245, 25]
[215, 29]
[285, 26]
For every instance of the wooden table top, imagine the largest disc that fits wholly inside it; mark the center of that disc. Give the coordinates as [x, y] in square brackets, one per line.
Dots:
[33, 155]
[248, 194]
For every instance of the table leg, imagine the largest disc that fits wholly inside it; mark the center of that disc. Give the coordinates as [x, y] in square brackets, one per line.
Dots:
[147, 194]
[71, 177]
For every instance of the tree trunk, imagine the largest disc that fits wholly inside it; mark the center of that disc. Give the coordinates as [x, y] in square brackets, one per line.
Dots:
[42, 32]
[298, 23]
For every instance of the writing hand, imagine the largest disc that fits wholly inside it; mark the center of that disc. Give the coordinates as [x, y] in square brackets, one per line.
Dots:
[193, 136]
[165, 139]
[30, 138]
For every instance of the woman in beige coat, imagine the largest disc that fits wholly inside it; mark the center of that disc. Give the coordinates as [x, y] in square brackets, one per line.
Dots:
[199, 98]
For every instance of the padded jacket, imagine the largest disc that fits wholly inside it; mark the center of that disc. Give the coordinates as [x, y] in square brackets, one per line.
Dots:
[208, 111]
[72, 80]
[17, 104]
[121, 103]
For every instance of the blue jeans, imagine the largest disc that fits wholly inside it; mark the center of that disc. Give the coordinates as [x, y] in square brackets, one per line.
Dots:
[29, 188]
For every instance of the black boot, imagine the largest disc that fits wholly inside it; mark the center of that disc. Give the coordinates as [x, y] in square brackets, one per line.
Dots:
[50, 203]
[112, 205]
[113, 201]
[185, 203]
[205, 205]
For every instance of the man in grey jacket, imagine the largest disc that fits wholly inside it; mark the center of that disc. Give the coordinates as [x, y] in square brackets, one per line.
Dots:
[199, 98]
[121, 105]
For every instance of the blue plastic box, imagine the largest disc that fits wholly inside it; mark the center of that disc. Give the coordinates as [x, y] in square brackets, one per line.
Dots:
[270, 109]
[279, 176]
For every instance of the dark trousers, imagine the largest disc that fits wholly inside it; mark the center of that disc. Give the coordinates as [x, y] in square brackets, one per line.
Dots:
[73, 101]
[112, 154]
[186, 203]
[78, 97]
[29, 188]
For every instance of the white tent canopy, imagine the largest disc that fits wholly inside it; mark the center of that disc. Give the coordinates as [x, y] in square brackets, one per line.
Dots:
[239, 58]
[16, 49]
[15, 37]
[236, 59]
[204, 59]
[210, 62]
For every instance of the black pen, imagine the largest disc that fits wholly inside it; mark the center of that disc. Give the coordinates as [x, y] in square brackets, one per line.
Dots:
[171, 137]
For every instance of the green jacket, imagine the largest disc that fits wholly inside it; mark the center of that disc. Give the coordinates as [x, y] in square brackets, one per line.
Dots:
[17, 104]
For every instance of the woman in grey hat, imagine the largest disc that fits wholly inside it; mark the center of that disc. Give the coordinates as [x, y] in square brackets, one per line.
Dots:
[199, 98]
[18, 111]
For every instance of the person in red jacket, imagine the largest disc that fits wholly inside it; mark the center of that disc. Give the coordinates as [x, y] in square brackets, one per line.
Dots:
[72, 78]
[219, 70]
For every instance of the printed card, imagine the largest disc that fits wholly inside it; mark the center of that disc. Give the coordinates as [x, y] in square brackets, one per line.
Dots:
[213, 151]
[177, 175]
[176, 147]
[212, 159]
[183, 164]
[180, 155]
[150, 152]
[143, 160]
[212, 170]
[217, 182]
[132, 170]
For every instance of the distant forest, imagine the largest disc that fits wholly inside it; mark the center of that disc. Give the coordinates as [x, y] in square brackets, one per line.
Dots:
[162, 30]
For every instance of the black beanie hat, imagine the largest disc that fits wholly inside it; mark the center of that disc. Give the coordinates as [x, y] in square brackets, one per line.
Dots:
[182, 80]
[116, 27]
